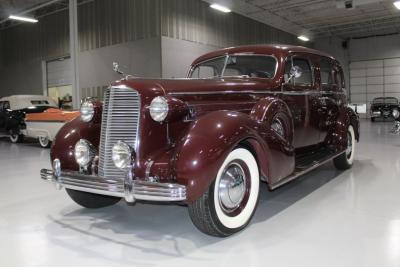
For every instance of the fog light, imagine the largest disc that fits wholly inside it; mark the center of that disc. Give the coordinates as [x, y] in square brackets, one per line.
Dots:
[122, 155]
[395, 113]
[84, 152]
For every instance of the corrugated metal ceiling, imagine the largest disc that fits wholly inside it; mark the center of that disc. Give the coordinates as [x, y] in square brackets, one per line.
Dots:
[321, 18]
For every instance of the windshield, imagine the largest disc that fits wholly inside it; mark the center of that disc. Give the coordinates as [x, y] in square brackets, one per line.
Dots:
[385, 100]
[236, 65]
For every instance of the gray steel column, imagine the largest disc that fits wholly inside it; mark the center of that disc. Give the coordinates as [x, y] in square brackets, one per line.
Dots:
[74, 52]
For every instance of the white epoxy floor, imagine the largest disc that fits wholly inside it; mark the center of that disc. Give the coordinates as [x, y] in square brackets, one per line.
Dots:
[326, 218]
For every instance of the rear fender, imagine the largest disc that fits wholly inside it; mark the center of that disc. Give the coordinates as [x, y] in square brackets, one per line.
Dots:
[337, 137]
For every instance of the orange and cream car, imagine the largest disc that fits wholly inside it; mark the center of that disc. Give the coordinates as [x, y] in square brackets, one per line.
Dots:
[45, 125]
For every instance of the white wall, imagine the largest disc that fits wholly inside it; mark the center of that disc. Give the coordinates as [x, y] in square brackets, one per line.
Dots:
[375, 48]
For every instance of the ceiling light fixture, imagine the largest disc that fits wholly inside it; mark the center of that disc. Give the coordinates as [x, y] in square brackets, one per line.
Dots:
[303, 38]
[397, 4]
[220, 8]
[26, 19]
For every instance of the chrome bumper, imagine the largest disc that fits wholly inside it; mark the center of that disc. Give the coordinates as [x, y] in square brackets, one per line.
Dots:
[130, 189]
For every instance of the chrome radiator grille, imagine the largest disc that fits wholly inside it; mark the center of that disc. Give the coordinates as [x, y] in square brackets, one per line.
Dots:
[121, 108]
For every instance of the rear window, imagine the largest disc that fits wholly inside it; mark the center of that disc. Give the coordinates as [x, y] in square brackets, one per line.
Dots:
[39, 102]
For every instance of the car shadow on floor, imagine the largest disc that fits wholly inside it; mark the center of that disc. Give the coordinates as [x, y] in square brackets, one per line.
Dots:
[147, 228]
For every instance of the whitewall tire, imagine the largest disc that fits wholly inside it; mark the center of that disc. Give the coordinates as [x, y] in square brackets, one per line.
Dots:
[16, 138]
[231, 200]
[345, 160]
[44, 141]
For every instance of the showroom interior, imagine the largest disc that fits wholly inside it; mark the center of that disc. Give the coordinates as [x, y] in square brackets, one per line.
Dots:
[65, 64]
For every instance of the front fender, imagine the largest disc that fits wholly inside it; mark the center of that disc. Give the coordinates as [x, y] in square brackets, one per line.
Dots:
[64, 143]
[208, 142]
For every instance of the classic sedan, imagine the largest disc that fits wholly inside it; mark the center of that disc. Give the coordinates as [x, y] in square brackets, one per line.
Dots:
[244, 117]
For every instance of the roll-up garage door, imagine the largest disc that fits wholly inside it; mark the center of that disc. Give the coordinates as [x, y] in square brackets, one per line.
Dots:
[374, 78]
[59, 73]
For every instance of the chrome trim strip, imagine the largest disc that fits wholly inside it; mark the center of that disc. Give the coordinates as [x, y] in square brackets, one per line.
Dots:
[300, 173]
[308, 92]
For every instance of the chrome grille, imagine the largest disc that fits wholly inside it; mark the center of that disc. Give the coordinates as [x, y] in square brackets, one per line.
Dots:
[120, 120]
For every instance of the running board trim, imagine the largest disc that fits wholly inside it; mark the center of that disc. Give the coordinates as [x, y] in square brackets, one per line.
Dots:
[297, 174]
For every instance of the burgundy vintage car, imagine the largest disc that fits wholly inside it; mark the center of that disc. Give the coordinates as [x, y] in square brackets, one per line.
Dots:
[243, 115]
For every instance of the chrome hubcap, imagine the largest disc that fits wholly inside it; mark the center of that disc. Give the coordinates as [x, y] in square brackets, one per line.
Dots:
[232, 187]
[349, 145]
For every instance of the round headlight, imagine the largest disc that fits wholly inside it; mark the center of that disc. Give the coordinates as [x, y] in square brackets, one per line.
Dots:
[395, 113]
[83, 152]
[87, 111]
[159, 108]
[122, 155]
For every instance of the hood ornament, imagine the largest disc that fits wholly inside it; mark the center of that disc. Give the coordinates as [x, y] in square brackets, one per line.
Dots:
[116, 68]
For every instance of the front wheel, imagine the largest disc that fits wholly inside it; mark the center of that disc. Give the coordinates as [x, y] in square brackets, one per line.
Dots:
[16, 138]
[231, 200]
[91, 201]
[345, 160]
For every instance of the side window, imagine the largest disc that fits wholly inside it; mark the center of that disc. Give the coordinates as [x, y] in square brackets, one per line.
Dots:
[306, 76]
[326, 74]
[339, 78]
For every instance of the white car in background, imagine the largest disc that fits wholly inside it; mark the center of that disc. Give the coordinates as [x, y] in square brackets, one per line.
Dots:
[13, 110]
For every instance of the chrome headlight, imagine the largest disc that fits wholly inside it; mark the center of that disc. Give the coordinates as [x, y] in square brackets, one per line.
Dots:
[84, 152]
[395, 113]
[87, 111]
[159, 108]
[122, 155]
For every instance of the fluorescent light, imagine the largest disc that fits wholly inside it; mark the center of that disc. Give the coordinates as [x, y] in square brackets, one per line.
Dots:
[397, 4]
[303, 38]
[220, 8]
[23, 18]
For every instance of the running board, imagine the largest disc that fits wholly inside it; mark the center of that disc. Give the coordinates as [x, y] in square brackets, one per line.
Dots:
[298, 172]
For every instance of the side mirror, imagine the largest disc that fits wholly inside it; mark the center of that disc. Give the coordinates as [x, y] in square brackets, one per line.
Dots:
[295, 72]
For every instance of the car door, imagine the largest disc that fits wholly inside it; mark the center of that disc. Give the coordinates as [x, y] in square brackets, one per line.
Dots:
[329, 99]
[299, 94]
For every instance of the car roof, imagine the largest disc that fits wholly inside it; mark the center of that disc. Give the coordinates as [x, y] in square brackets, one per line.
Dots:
[278, 50]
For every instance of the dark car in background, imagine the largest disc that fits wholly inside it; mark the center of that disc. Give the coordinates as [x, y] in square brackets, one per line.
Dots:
[13, 110]
[384, 107]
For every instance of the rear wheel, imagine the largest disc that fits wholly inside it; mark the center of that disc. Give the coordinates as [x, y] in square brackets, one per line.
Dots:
[231, 200]
[372, 119]
[92, 201]
[44, 141]
[345, 160]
